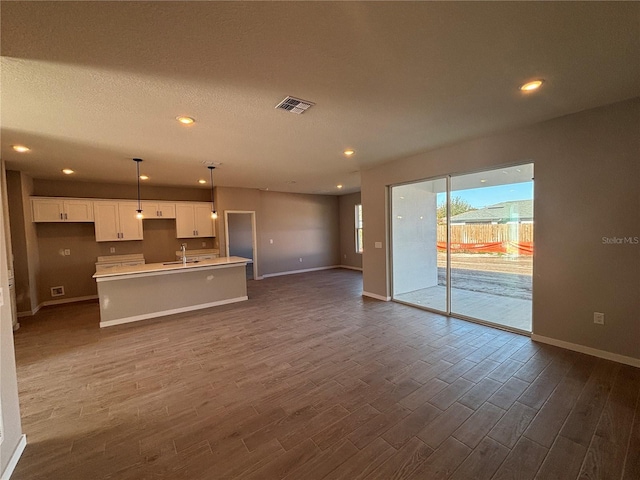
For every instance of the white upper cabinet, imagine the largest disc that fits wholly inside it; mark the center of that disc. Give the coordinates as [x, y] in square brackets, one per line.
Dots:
[153, 209]
[116, 221]
[194, 220]
[46, 209]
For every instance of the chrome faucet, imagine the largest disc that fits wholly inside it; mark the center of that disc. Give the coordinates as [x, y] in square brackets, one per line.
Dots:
[183, 249]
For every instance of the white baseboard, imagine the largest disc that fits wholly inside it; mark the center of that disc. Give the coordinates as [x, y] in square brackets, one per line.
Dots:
[349, 267]
[634, 362]
[62, 301]
[173, 311]
[29, 313]
[376, 296]
[17, 453]
[293, 272]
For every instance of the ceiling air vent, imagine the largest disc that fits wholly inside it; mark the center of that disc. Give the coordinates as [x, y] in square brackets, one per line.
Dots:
[294, 105]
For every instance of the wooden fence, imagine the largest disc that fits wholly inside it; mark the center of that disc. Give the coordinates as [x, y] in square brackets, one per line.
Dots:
[520, 233]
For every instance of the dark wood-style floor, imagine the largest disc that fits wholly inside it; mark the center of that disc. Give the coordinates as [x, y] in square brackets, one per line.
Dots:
[308, 380]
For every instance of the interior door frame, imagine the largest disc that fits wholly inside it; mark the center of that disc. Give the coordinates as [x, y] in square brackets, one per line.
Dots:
[254, 237]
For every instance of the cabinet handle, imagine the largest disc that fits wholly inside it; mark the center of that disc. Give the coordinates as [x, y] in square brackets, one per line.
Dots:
[65, 216]
[61, 217]
[159, 213]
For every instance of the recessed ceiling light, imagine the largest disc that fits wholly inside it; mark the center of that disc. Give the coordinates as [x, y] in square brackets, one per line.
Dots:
[144, 177]
[349, 152]
[185, 120]
[339, 186]
[21, 148]
[202, 181]
[531, 86]
[67, 171]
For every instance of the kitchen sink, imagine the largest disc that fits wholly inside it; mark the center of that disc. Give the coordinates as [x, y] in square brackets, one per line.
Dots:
[178, 262]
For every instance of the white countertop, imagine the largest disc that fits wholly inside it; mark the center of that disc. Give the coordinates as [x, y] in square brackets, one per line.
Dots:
[167, 267]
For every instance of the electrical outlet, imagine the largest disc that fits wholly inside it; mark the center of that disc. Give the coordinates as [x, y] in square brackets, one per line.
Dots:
[271, 241]
[378, 245]
[57, 291]
[1, 298]
[598, 318]
[67, 251]
[204, 244]
[112, 250]
[300, 259]
[345, 255]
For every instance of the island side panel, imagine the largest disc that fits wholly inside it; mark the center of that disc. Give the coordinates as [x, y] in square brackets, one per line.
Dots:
[130, 298]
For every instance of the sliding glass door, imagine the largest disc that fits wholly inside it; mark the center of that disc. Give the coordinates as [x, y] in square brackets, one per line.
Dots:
[463, 245]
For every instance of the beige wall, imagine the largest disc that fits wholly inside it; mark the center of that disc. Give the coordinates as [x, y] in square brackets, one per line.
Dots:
[301, 226]
[348, 255]
[10, 407]
[69, 188]
[26, 262]
[586, 187]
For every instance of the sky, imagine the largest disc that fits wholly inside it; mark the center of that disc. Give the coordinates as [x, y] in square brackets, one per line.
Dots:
[482, 197]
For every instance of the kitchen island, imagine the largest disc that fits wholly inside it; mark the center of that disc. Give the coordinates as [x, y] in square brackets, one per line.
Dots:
[133, 293]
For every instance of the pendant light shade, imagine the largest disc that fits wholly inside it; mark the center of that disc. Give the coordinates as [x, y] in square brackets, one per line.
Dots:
[214, 214]
[139, 215]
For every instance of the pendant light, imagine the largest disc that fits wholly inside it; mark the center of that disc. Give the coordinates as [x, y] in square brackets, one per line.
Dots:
[139, 215]
[214, 214]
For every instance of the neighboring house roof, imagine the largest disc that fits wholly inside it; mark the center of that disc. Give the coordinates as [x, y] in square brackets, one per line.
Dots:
[520, 210]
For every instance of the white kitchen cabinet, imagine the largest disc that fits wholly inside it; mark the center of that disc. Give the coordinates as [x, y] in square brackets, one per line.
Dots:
[154, 209]
[194, 220]
[116, 221]
[49, 209]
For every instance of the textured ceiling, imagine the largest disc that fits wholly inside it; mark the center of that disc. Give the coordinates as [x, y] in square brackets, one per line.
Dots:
[89, 85]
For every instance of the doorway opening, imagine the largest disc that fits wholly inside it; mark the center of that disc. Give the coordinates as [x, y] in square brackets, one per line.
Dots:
[462, 245]
[240, 232]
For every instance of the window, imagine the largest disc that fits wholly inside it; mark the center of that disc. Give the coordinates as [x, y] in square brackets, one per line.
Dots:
[359, 246]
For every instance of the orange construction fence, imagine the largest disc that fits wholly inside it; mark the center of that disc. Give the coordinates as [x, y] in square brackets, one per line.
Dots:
[519, 248]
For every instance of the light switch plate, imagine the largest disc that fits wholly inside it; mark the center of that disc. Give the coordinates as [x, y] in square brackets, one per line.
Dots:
[378, 244]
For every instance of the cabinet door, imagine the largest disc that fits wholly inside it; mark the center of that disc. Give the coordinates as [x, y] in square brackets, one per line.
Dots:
[203, 220]
[130, 226]
[158, 210]
[185, 223]
[150, 210]
[47, 209]
[107, 222]
[78, 210]
[167, 210]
